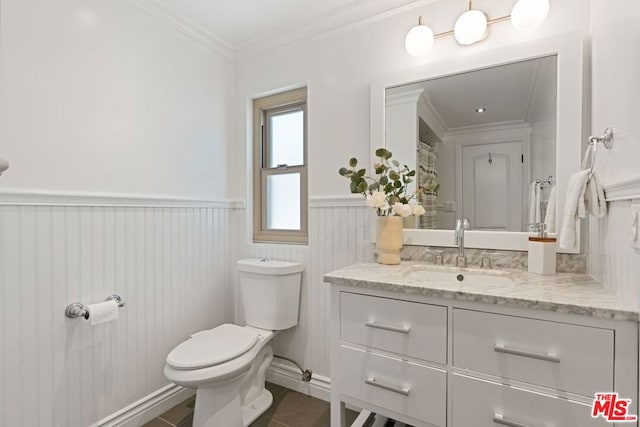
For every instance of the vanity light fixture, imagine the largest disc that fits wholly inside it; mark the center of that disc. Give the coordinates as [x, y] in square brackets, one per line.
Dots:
[419, 39]
[472, 25]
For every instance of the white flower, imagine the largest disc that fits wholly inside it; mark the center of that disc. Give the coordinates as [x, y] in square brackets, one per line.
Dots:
[376, 199]
[402, 210]
[417, 209]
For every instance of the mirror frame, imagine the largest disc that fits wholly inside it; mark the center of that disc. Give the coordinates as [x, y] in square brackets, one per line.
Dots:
[571, 125]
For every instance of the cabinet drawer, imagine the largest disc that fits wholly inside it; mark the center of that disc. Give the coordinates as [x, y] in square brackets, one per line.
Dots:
[400, 386]
[476, 403]
[407, 328]
[577, 359]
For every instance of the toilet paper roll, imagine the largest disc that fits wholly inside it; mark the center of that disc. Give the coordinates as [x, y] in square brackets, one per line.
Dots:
[102, 312]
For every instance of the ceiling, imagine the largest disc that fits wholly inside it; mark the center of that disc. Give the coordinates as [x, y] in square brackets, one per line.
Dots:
[237, 23]
[510, 93]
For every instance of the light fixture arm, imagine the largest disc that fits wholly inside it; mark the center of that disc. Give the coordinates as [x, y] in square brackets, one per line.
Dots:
[489, 22]
[4, 165]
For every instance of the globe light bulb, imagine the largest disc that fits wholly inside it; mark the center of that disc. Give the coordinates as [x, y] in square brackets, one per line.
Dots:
[470, 27]
[419, 40]
[528, 14]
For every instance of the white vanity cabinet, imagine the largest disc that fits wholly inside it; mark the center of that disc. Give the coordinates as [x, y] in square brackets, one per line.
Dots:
[431, 361]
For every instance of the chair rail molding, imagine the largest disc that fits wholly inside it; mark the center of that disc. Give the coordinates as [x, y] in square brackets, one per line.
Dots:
[625, 189]
[69, 198]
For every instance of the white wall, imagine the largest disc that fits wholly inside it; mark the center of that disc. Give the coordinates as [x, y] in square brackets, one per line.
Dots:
[338, 68]
[616, 66]
[101, 96]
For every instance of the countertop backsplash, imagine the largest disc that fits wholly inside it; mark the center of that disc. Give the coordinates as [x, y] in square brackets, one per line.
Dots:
[566, 263]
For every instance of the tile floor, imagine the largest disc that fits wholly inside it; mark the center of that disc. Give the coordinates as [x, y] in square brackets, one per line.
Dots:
[289, 409]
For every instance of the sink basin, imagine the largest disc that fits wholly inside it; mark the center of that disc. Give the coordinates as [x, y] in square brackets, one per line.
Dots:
[460, 275]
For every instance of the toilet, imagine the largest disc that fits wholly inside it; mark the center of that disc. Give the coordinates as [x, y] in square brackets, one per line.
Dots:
[227, 364]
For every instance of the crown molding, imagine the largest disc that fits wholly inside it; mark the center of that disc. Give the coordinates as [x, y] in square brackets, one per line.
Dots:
[625, 189]
[355, 14]
[187, 27]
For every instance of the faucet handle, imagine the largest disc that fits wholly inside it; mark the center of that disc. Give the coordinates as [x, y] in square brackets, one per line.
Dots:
[438, 255]
[540, 228]
[487, 259]
[466, 224]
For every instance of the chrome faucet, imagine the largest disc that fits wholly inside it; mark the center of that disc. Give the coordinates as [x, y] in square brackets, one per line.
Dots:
[462, 224]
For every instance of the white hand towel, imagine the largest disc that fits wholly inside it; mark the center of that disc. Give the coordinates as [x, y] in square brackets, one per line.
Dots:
[573, 208]
[550, 216]
[534, 203]
[594, 199]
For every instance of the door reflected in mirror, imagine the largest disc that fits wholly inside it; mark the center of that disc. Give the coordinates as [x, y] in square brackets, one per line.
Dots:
[483, 144]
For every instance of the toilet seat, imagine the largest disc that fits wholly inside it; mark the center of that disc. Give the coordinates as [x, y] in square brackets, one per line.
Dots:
[212, 347]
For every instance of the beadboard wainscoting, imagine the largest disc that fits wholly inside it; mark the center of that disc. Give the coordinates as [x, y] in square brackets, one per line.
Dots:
[612, 261]
[171, 264]
[339, 235]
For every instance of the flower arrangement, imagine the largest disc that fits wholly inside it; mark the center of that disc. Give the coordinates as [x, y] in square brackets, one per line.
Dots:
[387, 192]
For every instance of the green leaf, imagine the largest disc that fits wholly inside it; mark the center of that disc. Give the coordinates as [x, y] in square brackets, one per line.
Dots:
[392, 200]
[387, 155]
[395, 163]
[353, 162]
[362, 186]
[354, 187]
[397, 184]
[361, 172]
[381, 152]
[388, 188]
[408, 181]
[343, 171]
[411, 173]
[374, 186]
[384, 180]
[394, 176]
[379, 170]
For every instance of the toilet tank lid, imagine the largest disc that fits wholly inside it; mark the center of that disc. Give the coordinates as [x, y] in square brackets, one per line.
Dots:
[269, 266]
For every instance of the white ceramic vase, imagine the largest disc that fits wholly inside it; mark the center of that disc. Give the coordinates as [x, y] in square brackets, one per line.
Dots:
[389, 239]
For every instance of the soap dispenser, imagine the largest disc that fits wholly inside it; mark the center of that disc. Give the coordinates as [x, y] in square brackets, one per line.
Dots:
[542, 251]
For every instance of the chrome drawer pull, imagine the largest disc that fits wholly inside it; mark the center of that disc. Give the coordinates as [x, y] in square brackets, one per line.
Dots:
[376, 325]
[499, 419]
[400, 390]
[508, 350]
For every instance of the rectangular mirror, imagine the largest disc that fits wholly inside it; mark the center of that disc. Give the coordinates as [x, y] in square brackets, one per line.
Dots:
[483, 144]
[485, 165]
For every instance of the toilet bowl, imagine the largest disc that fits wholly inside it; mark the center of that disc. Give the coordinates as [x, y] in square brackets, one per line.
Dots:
[227, 364]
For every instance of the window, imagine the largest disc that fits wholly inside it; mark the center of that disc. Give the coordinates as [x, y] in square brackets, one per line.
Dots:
[280, 168]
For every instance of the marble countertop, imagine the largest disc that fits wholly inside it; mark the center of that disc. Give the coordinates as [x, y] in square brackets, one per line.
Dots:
[563, 292]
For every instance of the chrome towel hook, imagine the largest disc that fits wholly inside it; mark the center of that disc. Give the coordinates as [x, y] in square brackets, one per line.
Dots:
[77, 309]
[606, 139]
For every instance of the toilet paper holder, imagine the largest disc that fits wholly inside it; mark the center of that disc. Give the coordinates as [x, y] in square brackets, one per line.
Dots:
[77, 309]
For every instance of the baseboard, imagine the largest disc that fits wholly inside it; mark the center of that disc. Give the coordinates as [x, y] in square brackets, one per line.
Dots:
[281, 373]
[160, 401]
[147, 408]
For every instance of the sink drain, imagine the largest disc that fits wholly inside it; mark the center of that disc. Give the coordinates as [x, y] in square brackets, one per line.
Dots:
[460, 277]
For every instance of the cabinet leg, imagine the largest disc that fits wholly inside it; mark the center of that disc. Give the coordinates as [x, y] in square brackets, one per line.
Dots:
[337, 413]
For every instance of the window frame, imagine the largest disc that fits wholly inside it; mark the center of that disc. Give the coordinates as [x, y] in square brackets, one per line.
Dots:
[263, 108]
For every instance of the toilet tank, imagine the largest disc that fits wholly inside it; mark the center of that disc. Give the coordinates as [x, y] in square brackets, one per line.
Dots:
[270, 292]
